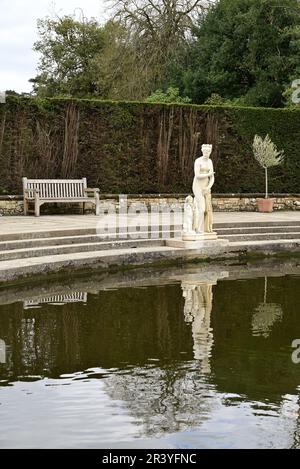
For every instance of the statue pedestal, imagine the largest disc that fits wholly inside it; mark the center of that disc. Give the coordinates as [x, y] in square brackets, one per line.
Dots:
[199, 237]
[207, 246]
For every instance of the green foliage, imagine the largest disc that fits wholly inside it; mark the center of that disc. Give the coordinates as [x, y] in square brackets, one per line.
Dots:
[247, 50]
[67, 48]
[237, 52]
[118, 144]
[158, 33]
[170, 96]
[140, 48]
[215, 100]
[266, 153]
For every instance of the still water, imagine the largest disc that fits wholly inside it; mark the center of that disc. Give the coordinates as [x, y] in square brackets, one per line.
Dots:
[180, 358]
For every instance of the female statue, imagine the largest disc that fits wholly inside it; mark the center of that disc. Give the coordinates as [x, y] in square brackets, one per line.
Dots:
[203, 181]
[189, 210]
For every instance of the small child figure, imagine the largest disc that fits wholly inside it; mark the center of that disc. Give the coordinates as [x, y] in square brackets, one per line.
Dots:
[188, 222]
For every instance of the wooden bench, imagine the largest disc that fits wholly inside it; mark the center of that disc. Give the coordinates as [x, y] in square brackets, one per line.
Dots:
[41, 191]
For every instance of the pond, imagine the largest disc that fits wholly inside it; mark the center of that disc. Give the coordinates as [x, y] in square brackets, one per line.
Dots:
[191, 357]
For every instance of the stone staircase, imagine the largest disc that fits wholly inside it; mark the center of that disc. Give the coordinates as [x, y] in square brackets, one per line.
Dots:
[39, 252]
[259, 236]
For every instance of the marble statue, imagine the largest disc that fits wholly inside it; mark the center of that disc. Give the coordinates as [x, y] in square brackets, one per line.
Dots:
[203, 181]
[197, 230]
[189, 215]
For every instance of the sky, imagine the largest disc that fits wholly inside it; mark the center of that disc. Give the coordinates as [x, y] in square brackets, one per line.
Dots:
[18, 32]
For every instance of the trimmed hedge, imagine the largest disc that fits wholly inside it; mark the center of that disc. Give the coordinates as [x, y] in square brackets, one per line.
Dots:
[129, 147]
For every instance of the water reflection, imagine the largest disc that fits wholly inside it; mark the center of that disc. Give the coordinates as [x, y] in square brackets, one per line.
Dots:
[57, 300]
[198, 299]
[265, 315]
[192, 354]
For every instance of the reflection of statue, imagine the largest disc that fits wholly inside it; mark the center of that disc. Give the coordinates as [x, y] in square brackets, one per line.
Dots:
[197, 311]
[203, 181]
[265, 316]
[2, 351]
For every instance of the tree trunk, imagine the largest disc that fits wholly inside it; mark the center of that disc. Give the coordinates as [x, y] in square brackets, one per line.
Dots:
[267, 191]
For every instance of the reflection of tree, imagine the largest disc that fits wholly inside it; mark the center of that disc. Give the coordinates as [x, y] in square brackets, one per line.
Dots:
[289, 410]
[296, 432]
[265, 315]
[164, 400]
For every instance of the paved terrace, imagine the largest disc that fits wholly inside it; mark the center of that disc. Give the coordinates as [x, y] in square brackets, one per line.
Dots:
[51, 244]
[30, 224]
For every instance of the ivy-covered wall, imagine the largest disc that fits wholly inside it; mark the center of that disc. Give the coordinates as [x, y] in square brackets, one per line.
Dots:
[142, 148]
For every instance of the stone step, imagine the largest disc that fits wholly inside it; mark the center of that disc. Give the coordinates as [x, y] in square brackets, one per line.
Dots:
[30, 235]
[53, 246]
[70, 232]
[77, 248]
[83, 239]
[103, 259]
[11, 270]
[72, 248]
[261, 236]
[267, 246]
[255, 224]
[258, 230]
[89, 236]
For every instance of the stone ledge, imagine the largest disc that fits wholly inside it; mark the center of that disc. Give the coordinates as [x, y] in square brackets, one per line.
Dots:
[13, 204]
[177, 195]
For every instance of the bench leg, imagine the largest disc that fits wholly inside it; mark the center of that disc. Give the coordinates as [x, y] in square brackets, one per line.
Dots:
[97, 203]
[37, 209]
[25, 207]
[37, 205]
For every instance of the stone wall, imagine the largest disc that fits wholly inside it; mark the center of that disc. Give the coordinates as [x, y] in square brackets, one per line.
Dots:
[13, 205]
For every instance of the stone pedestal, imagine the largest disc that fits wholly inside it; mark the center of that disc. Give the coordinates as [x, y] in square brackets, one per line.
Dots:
[206, 247]
[199, 237]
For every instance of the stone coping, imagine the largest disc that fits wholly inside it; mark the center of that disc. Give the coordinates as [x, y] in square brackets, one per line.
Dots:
[171, 196]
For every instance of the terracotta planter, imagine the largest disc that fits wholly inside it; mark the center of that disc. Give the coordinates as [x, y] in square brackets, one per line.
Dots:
[265, 205]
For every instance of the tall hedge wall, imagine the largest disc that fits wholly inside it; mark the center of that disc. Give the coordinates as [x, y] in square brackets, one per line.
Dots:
[128, 147]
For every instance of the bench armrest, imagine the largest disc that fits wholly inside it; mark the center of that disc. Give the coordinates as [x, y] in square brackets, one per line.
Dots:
[35, 191]
[94, 190]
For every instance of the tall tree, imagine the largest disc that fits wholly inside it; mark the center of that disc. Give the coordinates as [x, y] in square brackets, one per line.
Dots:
[67, 47]
[158, 33]
[246, 50]
[115, 66]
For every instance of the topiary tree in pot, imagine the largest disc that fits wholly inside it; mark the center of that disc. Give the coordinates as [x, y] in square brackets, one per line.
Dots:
[267, 155]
